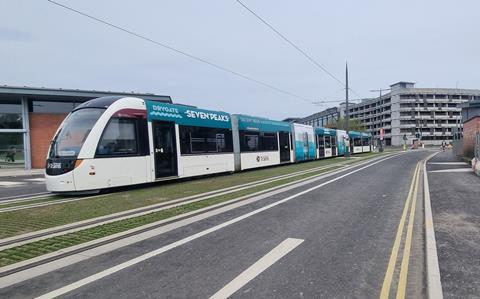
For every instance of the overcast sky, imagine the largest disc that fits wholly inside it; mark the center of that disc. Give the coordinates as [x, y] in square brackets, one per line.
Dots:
[434, 43]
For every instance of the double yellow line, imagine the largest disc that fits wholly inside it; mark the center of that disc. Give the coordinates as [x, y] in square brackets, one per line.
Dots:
[402, 281]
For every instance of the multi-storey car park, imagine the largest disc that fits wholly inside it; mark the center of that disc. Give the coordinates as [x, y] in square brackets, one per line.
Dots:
[431, 115]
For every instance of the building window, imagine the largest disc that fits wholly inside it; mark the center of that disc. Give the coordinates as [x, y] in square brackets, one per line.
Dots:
[11, 115]
[203, 140]
[55, 107]
[11, 150]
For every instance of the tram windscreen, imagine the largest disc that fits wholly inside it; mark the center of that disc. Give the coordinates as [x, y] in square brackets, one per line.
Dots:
[74, 131]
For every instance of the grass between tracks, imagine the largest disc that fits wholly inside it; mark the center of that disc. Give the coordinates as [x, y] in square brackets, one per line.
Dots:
[33, 219]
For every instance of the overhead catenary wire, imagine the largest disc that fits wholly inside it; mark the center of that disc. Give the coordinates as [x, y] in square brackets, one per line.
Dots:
[310, 58]
[184, 53]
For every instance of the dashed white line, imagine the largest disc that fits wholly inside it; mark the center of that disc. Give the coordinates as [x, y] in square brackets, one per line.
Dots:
[254, 270]
[447, 163]
[36, 180]
[10, 184]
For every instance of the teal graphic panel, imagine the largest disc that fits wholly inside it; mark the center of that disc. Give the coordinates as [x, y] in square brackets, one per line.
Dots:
[354, 134]
[189, 116]
[261, 124]
[304, 151]
[325, 131]
[341, 141]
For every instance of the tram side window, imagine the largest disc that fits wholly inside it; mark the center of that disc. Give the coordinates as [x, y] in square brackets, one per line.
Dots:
[334, 141]
[268, 141]
[327, 142]
[357, 142]
[321, 142]
[201, 140]
[258, 141]
[366, 141]
[119, 138]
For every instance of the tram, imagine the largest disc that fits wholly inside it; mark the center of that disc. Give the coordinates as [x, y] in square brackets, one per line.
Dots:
[118, 141]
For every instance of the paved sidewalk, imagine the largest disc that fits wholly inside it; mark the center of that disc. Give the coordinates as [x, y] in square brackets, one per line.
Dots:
[455, 197]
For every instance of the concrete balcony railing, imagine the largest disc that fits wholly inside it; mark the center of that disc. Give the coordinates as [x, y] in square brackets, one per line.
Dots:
[406, 126]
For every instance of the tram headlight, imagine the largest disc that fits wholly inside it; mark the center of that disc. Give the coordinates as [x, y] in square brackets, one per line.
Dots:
[78, 162]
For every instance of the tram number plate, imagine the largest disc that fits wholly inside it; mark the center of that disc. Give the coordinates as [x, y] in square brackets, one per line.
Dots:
[54, 165]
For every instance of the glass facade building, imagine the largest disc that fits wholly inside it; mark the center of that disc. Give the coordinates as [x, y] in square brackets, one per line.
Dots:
[30, 116]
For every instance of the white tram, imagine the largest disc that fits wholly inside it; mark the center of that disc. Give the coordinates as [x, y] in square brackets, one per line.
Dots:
[119, 141]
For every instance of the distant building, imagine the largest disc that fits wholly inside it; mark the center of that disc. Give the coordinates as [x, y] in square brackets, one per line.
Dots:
[30, 116]
[429, 114]
[292, 119]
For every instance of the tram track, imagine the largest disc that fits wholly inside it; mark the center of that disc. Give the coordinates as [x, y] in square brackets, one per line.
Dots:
[54, 260]
[89, 223]
[24, 197]
[53, 202]
[48, 233]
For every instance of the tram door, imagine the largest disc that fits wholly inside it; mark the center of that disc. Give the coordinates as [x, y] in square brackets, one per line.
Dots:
[306, 152]
[284, 144]
[321, 146]
[165, 149]
[334, 146]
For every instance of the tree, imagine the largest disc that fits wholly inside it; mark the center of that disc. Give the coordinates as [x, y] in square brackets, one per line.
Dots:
[354, 125]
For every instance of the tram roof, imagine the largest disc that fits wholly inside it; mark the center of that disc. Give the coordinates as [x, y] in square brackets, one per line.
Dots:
[354, 134]
[325, 131]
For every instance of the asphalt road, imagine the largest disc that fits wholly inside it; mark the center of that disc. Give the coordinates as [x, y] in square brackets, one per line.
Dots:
[22, 186]
[455, 199]
[343, 235]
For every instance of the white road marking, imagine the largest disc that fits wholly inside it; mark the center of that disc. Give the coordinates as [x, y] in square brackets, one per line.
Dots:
[254, 270]
[36, 180]
[434, 283]
[177, 222]
[10, 184]
[453, 170]
[447, 163]
[148, 255]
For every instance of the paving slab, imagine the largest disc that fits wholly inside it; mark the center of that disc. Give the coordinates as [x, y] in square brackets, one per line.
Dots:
[455, 198]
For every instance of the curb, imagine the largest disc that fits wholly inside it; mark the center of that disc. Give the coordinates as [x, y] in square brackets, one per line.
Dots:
[6, 172]
[434, 283]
